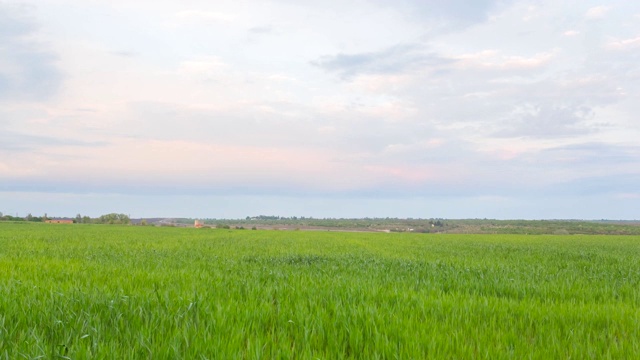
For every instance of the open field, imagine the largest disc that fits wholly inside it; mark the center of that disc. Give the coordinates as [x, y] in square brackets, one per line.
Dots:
[107, 292]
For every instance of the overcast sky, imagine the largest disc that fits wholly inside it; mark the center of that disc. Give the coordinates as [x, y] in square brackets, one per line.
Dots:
[406, 108]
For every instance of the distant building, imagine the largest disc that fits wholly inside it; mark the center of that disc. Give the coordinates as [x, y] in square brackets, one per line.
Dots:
[59, 221]
[198, 224]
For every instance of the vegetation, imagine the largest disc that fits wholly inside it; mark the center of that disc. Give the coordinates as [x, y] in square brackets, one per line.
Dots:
[29, 217]
[452, 226]
[113, 218]
[105, 292]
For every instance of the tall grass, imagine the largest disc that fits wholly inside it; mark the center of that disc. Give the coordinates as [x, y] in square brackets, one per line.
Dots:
[106, 292]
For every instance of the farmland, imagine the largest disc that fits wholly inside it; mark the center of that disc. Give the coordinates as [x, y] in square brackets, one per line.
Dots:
[104, 292]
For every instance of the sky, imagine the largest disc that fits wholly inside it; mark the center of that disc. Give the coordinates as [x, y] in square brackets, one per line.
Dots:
[506, 109]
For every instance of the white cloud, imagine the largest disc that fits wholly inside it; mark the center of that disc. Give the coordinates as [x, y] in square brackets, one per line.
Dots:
[189, 16]
[492, 59]
[597, 12]
[207, 68]
[624, 44]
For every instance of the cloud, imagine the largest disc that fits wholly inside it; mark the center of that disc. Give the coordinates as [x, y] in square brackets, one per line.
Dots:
[625, 44]
[17, 142]
[595, 155]
[125, 53]
[28, 71]
[393, 60]
[632, 196]
[189, 16]
[597, 12]
[152, 166]
[451, 14]
[601, 184]
[546, 121]
[453, 100]
[206, 68]
[266, 29]
[493, 60]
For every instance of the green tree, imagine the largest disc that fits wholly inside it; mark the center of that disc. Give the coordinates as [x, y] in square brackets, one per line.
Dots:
[114, 218]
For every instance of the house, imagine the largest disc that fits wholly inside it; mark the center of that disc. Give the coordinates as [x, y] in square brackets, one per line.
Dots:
[59, 221]
[198, 224]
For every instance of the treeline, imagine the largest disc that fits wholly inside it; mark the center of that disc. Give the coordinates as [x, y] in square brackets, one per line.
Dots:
[26, 218]
[433, 225]
[113, 218]
[275, 217]
[367, 224]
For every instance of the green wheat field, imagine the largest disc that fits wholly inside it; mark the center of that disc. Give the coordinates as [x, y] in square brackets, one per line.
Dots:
[127, 292]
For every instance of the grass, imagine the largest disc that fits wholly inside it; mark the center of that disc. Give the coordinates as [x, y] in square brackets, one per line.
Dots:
[104, 292]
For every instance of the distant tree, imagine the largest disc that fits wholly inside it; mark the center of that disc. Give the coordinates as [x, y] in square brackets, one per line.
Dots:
[86, 220]
[12, 218]
[143, 222]
[78, 219]
[29, 217]
[114, 218]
